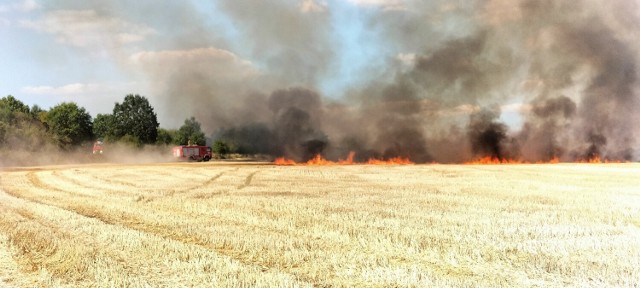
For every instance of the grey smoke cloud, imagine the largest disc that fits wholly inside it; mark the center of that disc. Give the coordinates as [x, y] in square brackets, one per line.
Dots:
[448, 64]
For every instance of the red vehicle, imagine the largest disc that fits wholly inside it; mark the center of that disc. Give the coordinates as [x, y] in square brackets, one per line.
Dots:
[97, 147]
[193, 152]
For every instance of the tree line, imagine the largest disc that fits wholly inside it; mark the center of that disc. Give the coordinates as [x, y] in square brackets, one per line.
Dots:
[70, 126]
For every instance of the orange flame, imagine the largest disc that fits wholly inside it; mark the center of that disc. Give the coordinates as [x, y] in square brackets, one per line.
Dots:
[284, 161]
[597, 160]
[318, 160]
[349, 159]
[493, 161]
[392, 161]
[554, 160]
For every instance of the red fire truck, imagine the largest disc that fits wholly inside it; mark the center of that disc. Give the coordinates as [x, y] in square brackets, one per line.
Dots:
[97, 147]
[193, 152]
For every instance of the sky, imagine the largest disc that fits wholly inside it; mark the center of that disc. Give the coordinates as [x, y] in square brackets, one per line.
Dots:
[96, 52]
[57, 51]
[536, 77]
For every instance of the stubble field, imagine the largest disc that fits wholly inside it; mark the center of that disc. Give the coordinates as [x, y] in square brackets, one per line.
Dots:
[249, 225]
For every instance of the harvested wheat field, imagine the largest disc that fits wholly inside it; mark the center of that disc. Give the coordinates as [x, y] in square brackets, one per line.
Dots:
[251, 225]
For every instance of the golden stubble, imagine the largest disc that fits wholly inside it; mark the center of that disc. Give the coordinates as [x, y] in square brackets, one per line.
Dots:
[204, 224]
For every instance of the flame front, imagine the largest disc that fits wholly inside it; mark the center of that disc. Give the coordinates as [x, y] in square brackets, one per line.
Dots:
[318, 160]
[598, 160]
[394, 160]
[284, 161]
[495, 161]
[555, 160]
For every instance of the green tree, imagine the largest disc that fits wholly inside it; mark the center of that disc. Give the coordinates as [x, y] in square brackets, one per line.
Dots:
[135, 117]
[6, 115]
[19, 125]
[132, 141]
[3, 131]
[37, 113]
[190, 132]
[248, 139]
[69, 124]
[220, 147]
[103, 126]
[11, 108]
[14, 104]
[166, 136]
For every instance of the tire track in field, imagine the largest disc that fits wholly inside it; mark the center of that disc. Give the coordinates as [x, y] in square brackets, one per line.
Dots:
[123, 218]
[47, 199]
[117, 214]
[143, 174]
[148, 174]
[203, 184]
[113, 181]
[61, 176]
[122, 191]
[39, 199]
[36, 180]
[35, 256]
[44, 198]
[247, 181]
[39, 240]
[134, 218]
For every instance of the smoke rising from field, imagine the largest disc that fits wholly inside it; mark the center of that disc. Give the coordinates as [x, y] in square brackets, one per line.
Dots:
[545, 131]
[546, 50]
[437, 90]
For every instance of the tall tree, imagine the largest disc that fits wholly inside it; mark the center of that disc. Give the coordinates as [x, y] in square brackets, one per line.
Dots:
[3, 131]
[10, 108]
[166, 136]
[19, 124]
[37, 113]
[103, 126]
[190, 132]
[69, 124]
[135, 117]
[14, 104]
[6, 115]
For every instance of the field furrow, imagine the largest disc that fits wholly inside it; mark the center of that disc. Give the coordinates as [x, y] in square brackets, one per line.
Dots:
[79, 220]
[248, 225]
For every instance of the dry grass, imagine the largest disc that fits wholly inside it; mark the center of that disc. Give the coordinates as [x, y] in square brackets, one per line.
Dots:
[185, 225]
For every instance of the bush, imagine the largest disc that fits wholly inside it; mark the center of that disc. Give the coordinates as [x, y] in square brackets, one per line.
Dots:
[221, 148]
[131, 141]
[166, 136]
[3, 131]
[190, 132]
[69, 124]
[135, 117]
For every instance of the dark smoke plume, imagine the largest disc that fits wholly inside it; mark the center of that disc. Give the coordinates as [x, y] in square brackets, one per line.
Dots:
[544, 51]
[296, 113]
[487, 135]
[442, 73]
[294, 131]
[543, 135]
